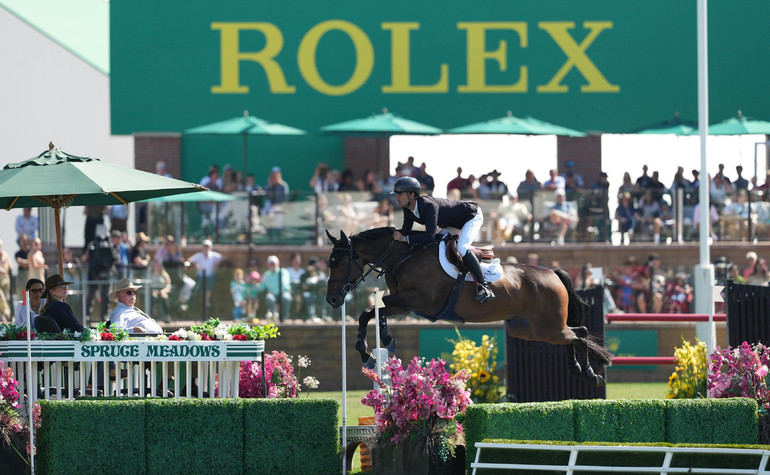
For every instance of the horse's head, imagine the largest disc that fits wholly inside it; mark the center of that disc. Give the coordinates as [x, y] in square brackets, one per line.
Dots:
[344, 270]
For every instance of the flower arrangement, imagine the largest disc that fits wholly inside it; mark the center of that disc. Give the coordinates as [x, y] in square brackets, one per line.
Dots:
[423, 402]
[740, 372]
[13, 430]
[689, 377]
[214, 330]
[479, 362]
[280, 380]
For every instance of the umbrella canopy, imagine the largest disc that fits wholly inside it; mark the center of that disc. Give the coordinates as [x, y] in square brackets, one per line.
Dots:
[57, 179]
[385, 123]
[209, 195]
[511, 124]
[245, 125]
[740, 125]
[675, 126]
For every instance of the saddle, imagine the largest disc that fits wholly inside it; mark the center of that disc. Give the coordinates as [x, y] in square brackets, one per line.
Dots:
[483, 254]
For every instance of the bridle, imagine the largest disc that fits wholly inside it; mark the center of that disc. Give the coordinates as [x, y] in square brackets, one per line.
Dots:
[353, 257]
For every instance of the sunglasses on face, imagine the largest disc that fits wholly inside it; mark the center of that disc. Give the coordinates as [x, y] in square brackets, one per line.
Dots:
[36, 291]
[130, 292]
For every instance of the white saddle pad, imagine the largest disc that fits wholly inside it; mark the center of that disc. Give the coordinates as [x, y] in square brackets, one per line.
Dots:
[492, 270]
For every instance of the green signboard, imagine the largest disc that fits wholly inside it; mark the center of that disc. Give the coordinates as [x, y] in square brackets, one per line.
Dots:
[597, 65]
[438, 342]
[632, 343]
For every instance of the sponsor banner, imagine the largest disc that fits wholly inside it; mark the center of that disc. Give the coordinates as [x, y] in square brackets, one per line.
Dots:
[134, 351]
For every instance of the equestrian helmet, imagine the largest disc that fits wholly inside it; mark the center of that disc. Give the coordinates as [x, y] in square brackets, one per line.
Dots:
[406, 183]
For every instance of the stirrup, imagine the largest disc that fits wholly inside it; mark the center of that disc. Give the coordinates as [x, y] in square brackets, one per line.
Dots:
[484, 293]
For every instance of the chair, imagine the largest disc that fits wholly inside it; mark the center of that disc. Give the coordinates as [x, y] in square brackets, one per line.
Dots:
[46, 323]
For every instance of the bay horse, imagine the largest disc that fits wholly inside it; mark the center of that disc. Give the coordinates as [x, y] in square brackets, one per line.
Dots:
[535, 303]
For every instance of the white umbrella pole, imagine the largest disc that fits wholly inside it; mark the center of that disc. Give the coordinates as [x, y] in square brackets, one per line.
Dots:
[344, 395]
[30, 399]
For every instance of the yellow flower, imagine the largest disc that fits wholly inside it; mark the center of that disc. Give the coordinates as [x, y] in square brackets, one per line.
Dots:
[483, 376]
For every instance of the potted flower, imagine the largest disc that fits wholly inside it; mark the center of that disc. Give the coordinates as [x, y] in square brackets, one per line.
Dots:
[418, 417]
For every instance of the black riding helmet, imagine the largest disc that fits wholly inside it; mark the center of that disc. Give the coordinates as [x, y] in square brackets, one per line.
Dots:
[406, 183]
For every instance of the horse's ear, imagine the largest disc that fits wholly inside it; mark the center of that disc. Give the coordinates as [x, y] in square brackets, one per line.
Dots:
[344, 238]
[331, 238]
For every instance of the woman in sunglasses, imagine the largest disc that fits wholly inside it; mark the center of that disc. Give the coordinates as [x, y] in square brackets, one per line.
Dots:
[35, 289]
[56, 306]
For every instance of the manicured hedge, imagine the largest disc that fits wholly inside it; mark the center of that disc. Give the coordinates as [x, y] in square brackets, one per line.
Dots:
[187, 436]
[291, 436]
[91, 437]
[639, 420]
[712, 421]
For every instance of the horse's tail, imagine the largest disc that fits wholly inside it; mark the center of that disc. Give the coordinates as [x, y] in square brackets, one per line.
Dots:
[577, 315]
[577, 307]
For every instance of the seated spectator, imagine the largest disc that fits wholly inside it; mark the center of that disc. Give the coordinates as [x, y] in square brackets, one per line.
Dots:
[652, 214]
[469, 192]
[252, 294]
[529, 186]
[161, 288]
[736, 217]
[139, 259]
[626, 216]
[561, 216]
[514, 216]
[126, 315]
[483, 190]
[426, 181]
[751, 261]
[35, 288]
[238, 289]
[56, 305]
[713, 220]
[679, 295]
[554, 182]
[276, 284]
[759, 274]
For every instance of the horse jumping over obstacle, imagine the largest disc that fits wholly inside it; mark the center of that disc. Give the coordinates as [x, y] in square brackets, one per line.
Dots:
[536, 304]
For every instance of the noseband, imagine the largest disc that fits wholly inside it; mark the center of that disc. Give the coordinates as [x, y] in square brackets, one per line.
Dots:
[353, 257]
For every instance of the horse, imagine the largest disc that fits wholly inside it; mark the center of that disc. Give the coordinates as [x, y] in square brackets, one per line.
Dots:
[536, 304]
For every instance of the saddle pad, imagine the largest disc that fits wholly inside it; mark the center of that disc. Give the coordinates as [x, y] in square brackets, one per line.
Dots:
[492, 270]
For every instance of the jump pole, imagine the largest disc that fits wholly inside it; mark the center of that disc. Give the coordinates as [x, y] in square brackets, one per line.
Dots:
[344, 396]
[30, 401]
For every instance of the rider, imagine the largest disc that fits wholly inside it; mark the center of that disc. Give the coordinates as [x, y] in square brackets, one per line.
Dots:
[438, 212]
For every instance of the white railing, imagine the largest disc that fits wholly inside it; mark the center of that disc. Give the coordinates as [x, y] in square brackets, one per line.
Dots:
[664, 468]
[68, 369]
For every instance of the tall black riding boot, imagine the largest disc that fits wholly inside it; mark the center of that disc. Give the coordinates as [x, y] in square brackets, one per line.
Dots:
[483, 292]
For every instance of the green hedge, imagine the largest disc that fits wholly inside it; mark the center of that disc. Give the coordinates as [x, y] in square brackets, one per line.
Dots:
[189, 436]
[675, 421]
[640, 420]
[712, 421]
[91, 437]
[291, 436]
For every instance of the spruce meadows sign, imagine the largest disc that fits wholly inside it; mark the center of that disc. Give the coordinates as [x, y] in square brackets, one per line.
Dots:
[133, 350]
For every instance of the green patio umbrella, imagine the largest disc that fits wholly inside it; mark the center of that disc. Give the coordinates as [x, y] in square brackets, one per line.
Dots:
[386, 123]
[675, 126]
[740, 125]
[57, 179]
[511, 124]
[207, 195]
[245, 125]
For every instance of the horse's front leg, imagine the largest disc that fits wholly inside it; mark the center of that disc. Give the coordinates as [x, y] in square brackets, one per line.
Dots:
[366, 357]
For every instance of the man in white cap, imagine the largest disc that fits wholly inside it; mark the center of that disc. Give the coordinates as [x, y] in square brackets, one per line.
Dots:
[125, 315]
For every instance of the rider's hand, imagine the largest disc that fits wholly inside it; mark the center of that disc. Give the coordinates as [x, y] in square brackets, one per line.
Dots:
[397, 236]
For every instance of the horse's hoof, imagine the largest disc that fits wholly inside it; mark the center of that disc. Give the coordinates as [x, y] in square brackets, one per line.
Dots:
[370, 363]
[600, 382]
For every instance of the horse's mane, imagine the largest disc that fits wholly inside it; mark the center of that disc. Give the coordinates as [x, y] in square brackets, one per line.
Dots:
[374, 234]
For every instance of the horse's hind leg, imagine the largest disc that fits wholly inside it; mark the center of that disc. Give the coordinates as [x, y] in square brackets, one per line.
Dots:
[582, 348]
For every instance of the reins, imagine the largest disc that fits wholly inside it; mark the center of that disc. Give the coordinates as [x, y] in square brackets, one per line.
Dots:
[373, 267]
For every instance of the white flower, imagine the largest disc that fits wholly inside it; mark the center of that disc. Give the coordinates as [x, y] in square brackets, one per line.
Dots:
[3, 331]
[227, 337]
[76, 334]
[303, 362]
[94, 336]
[192, 336]
[310, 382]
[181, 333]
[221, 333]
